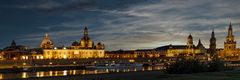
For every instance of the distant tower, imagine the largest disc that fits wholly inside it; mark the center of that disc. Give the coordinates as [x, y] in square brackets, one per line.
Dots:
[230, 43]
[190, 41]
[13, 44]
[200, 44]
[85, 32]
[46, 43]
[212, 46]
[86, 42]
[190, 45]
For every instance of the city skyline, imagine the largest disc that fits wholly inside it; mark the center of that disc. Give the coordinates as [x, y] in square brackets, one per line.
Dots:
[143, 24]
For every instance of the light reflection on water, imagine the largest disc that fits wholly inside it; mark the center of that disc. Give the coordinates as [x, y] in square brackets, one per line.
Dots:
[75, 72]
[1, 76]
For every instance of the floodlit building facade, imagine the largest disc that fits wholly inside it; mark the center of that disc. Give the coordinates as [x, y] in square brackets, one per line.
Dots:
[230, 52]
[85, 48]
[189, 50]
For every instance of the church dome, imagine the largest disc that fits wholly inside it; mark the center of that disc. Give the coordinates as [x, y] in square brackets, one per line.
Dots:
[85, 41]
[46, 42]
[75, 43]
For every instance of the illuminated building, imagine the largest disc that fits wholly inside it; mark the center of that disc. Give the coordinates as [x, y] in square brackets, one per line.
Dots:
[14, 51]
[121, 54]
[1, 55]
[189, 50]
[84, 49]
[34, 55]
[143, 53]
[148, 53]
[230, 52]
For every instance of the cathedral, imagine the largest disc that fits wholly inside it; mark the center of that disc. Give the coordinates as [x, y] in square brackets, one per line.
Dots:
[85, 48]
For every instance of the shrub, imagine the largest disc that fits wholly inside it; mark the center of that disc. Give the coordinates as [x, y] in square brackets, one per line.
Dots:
[186, 66]
[215, 65]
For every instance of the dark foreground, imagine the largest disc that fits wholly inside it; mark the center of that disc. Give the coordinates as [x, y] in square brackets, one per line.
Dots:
[150, 75]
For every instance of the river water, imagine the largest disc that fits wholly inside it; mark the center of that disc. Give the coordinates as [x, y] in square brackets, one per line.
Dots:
[75, 72]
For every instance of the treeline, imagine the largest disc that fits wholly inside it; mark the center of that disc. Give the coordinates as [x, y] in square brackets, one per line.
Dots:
[187, 66]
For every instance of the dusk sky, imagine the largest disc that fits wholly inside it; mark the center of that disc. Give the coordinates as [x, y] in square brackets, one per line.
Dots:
[119, 24]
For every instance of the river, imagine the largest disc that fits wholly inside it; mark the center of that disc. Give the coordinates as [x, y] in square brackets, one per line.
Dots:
[23, 75]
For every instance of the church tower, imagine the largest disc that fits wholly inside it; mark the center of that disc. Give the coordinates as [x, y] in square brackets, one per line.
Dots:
[230, 43]
[200, 45]
[190, 45]
[85, 32]
[46, 43]
[212, 46]
[13, 44]
[86, 42]
[190, 41]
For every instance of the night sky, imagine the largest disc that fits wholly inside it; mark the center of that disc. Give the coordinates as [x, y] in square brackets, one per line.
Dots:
[119, 24]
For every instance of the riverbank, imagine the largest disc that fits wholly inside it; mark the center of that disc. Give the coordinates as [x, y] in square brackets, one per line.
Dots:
[151, 75]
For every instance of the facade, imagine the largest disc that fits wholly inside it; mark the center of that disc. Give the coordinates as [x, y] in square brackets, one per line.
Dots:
[188, 50]
[121, 54]
[1, 55]
[85, 48]
[143, 53]
[14, 51]
[230, 52]
[149, 53]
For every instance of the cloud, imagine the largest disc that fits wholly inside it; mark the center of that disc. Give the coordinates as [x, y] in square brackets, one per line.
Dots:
[146, 24]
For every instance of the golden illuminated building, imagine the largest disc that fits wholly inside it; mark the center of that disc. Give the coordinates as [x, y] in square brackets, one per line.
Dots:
[14, 51]
[230, 52]
[84, 49]
[169, 51]
[143, 53]
[189, 50]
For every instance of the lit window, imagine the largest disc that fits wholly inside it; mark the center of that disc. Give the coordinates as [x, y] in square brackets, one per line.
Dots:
[37, 57]
[41, 57]
[23, 57]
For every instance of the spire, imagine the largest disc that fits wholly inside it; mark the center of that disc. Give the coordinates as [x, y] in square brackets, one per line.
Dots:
[13, 43]
[230, 29]
[46, 36]
[85, 31]
[199, 42]
[190, 36]
[213, 35]
[190, 40]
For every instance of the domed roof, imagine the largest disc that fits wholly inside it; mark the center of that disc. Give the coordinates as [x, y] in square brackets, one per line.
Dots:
[99, 43]
[75, 43]
[45, 41]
